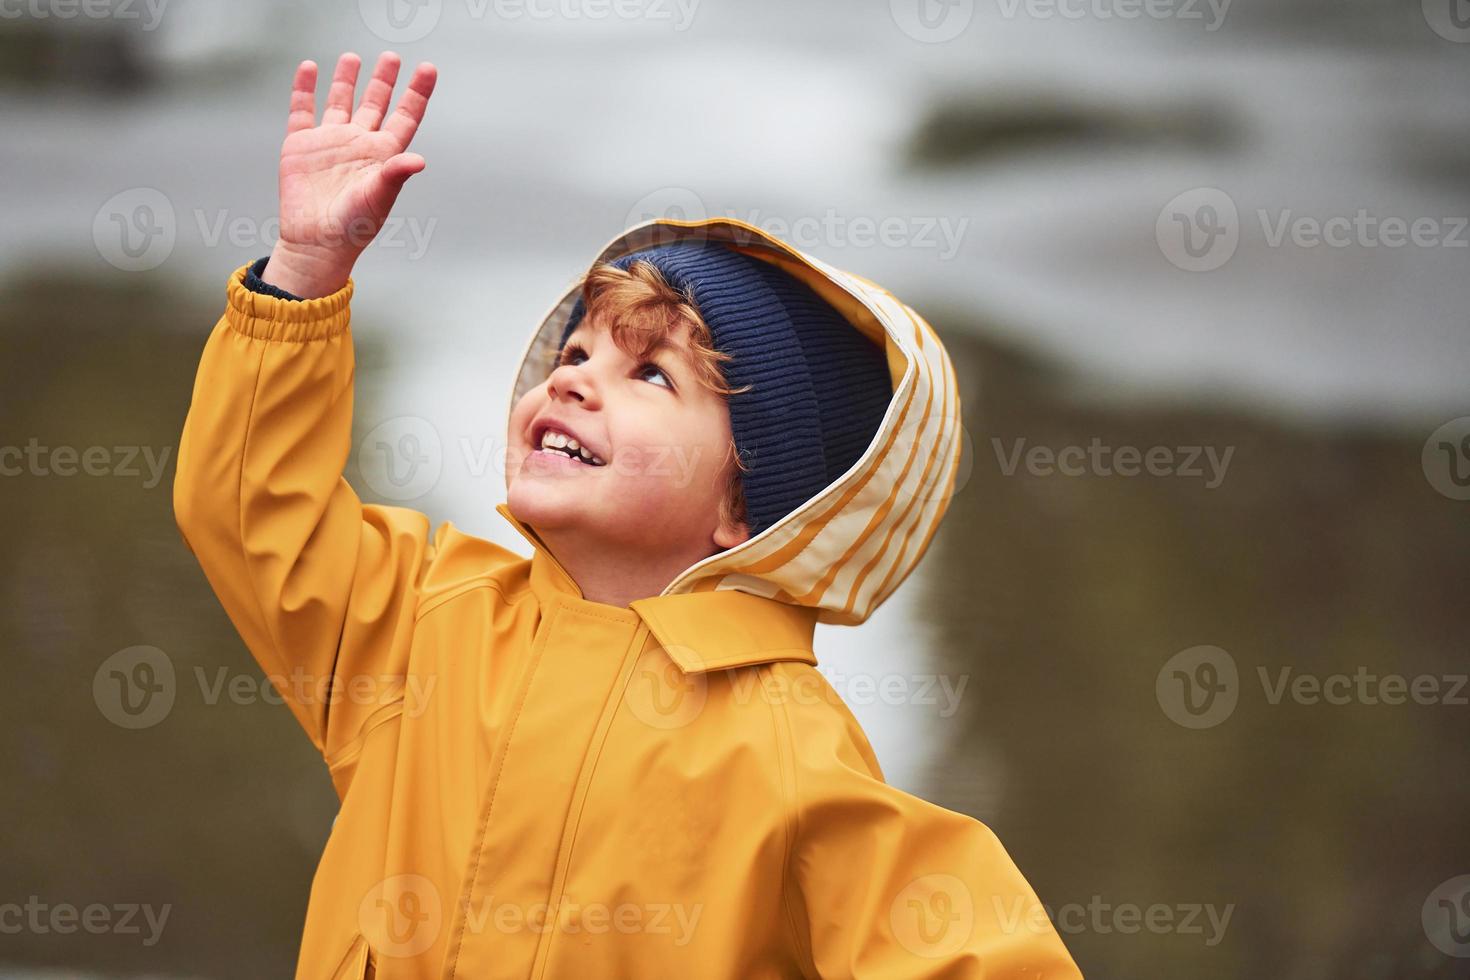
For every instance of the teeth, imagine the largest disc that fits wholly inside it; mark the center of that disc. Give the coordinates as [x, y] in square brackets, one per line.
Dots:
[557, 440]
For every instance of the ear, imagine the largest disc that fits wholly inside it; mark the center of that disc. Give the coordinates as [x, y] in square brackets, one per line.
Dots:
[729, 535]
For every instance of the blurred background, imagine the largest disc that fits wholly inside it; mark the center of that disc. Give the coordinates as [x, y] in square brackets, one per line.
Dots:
[1193, 637]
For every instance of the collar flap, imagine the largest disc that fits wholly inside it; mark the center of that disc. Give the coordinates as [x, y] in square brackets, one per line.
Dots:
[704, 631]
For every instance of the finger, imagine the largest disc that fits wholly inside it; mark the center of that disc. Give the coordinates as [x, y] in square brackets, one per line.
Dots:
[303, 98]
[401, 167]
[391, 178]
[410, 112]
[344, 83]
[379, 91]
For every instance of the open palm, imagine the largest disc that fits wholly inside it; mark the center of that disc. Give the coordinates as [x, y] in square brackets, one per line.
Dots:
[339, 179]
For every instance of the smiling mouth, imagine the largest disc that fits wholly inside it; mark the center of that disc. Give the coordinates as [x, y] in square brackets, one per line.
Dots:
[556, 443]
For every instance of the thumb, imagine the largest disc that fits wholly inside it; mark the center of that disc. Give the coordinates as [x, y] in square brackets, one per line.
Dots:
[398, 169]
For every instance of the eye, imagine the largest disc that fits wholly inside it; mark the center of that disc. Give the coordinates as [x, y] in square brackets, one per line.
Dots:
[650, 366]
[570, 352]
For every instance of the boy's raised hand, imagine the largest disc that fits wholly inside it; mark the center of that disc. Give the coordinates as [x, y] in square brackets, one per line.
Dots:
[339, 179]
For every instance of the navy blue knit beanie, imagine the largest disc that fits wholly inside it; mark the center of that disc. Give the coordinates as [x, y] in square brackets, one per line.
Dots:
[819, 387]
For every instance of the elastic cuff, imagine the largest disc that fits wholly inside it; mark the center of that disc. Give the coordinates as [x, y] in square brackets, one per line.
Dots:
[255, 284]
[267, 317]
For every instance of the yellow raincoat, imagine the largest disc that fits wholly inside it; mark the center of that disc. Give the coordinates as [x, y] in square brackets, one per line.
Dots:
[537, 785]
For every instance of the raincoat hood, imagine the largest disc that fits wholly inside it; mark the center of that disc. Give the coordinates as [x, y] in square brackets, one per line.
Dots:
[844, 551]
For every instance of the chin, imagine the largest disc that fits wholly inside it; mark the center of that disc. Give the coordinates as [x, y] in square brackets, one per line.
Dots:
[540, 506]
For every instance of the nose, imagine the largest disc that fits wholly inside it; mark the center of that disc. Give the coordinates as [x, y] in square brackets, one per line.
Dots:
[573, 381]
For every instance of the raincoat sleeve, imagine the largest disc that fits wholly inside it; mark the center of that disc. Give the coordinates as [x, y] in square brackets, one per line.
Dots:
[320, 587]
[886, 885]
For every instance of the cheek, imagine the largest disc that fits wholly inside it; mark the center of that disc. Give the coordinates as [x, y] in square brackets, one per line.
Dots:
[717, 437]
[521, 415]
[710, 439]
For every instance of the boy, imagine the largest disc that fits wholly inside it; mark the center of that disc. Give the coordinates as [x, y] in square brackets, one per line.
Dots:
[615, 758]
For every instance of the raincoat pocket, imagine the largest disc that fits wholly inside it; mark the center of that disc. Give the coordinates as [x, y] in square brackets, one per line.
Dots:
[357, 964]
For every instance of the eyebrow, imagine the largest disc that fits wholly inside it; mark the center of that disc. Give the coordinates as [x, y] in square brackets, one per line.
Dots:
[667, 344]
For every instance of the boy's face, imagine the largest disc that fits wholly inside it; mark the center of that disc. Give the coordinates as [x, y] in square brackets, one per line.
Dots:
[663, 441]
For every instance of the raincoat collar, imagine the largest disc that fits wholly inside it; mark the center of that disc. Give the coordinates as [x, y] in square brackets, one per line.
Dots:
[700, 631]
